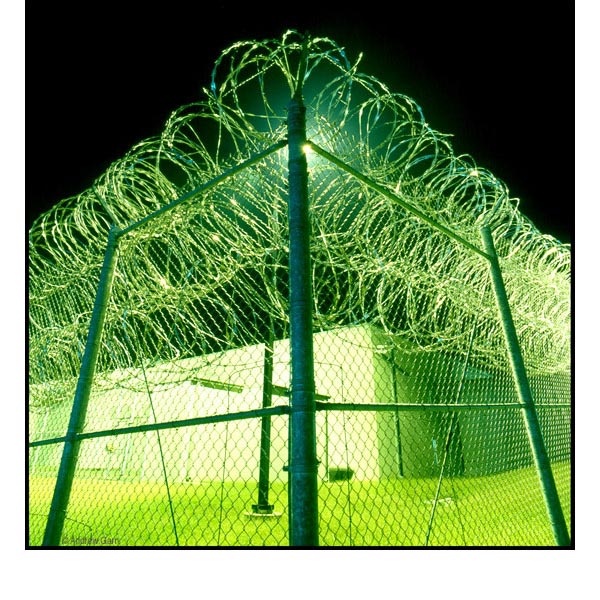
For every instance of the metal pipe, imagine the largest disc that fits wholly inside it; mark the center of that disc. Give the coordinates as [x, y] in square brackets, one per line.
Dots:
[207, 186]
[394, 197]
[302, 468]
[415, 406]
[211, 419]
[68, 463]
[396, 414]
[285, 410]
[540, 456]
[262, 506]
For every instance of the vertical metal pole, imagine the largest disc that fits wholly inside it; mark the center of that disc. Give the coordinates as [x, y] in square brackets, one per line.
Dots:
[396, 413]
[303, 511]
[542, 463]
[263, 506]
[68, 463]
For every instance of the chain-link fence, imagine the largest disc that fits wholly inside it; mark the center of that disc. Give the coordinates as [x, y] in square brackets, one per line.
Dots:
[162, 360]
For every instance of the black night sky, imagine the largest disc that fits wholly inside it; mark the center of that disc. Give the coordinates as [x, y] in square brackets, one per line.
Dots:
[101, 77]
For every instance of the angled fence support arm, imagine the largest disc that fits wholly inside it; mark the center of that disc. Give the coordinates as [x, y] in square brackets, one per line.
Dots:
[540, 456]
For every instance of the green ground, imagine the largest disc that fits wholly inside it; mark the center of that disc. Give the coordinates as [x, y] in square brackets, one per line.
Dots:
[500, 510]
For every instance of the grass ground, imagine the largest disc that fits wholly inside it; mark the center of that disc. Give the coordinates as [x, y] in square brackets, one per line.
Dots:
[506, 509]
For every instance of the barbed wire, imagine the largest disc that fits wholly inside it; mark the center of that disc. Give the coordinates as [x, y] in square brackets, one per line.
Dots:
[211, 274]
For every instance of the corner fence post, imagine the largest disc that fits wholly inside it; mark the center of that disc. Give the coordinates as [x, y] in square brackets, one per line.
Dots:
[302, 468]
[68, 463]
[542, 463]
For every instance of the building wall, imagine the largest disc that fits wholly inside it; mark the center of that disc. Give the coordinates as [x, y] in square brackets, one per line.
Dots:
[352, 365]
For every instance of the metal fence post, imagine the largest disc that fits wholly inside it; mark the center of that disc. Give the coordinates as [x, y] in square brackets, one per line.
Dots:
[68, 463]
[263, 506]
[542, 463]
[302, 468]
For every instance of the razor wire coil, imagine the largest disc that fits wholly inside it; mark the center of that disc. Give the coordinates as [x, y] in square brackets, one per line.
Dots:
[209, 274]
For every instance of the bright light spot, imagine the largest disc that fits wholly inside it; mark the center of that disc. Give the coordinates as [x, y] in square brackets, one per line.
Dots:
[474, 173]
[163, 283]
[307, 149]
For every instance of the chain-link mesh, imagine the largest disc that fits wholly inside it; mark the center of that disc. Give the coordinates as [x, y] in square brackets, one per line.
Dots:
[420, 432]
